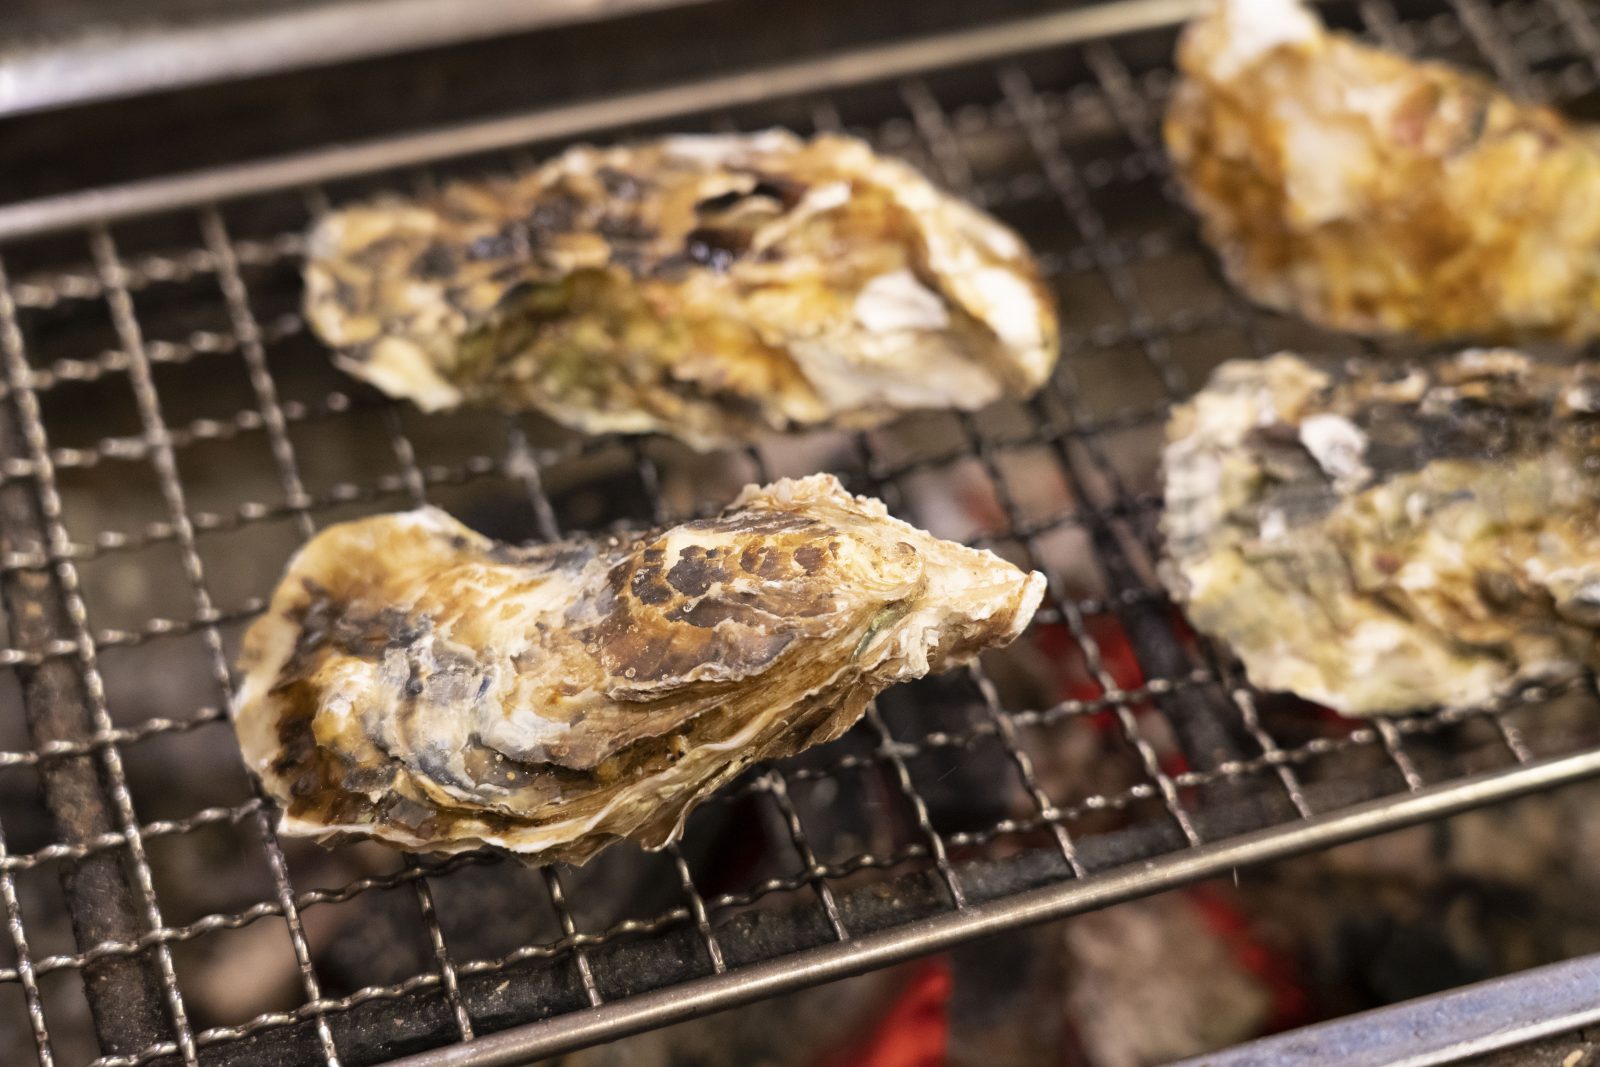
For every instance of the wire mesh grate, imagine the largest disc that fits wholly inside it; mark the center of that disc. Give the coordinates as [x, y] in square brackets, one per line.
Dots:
[171, 433]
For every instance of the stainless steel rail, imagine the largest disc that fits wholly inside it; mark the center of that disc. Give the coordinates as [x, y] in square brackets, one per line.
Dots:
[1446, 1028]
[105, 64]
[1483, 1017]
[817, 75]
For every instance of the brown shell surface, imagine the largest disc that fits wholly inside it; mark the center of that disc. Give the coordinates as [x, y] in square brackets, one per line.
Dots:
[1385, 538]
[716, 288]
[1373, 193]
[416, 682]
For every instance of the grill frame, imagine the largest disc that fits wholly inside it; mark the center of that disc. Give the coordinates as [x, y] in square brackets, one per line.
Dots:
[984, 897]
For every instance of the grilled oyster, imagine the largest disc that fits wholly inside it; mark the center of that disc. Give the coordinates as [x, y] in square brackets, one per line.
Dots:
[712, 287]
[1375, 194]
[416, 682]
[1384, 538]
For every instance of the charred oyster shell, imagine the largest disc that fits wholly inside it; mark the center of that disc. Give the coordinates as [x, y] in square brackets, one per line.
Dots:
[1376, 194]
[1383, 538]
[416, 682]
[713, 287]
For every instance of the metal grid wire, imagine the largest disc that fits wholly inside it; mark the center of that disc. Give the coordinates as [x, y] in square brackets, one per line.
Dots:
[170, 434]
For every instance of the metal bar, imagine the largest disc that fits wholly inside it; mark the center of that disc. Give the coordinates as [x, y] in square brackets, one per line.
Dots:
[778, 790]
[697, 909]
[777, 782]
[1394, 746]
[1445, 1028]
[416, 489]
[888, 748]
[1380, 17]
[1127, 724]
[1132, 115]
[196, 344]
[134, 448]
[1006, 732]
[1150, 636]
[63, 702]
[52, 288]
[1071, 192]
[520, 459]
[992, 880]
[930, 120]
[107, 66]
[123, 994]
[252, 347]
[1490, 40]
[866, 952]
[822, 74]
[1245, 701]
[25, 972]
[1004, 728]
[826, 117]
[569, 931]
[524, 465]
[115, 840]
[1581, 27]
[1201, 734]
[334, 405]
[1073, 439]
[441, 952]
[164, 461]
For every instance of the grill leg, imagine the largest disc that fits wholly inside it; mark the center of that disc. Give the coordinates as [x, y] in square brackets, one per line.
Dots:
[124, 992]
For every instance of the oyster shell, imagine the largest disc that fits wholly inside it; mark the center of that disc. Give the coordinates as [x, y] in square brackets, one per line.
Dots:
[419, 683]
[1385, 538]
[1376, 194]
[710, 287]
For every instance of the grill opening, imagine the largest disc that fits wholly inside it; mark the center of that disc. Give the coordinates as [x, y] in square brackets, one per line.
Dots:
[171, 433]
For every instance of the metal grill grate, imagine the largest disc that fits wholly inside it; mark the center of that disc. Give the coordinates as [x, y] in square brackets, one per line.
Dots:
[170, 434]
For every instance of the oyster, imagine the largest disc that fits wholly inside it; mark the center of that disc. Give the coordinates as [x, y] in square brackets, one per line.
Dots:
[1377, 194]
[419, 683]
[711, 287]
[1386, 538]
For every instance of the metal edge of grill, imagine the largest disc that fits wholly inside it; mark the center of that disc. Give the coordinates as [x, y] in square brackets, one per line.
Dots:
[984, 896]
[130, 61]
[805, 77]
[770, 977]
